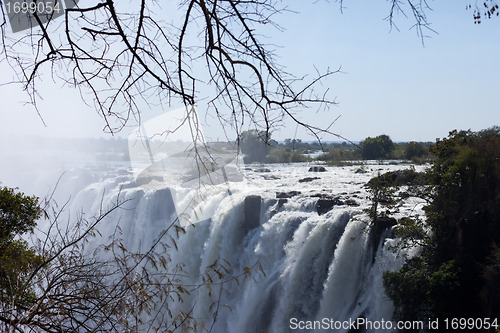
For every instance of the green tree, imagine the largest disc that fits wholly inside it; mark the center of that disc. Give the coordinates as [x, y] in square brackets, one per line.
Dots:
[18, 215]
[458, 268]
[415, 150]
[377, 148]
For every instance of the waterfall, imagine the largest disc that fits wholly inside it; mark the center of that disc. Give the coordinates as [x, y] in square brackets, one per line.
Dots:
[304, 267]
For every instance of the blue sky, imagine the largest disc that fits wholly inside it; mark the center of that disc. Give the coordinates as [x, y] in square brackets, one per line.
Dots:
[390, 83]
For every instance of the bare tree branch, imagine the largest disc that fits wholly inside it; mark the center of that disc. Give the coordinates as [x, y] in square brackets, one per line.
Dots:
[126, 60]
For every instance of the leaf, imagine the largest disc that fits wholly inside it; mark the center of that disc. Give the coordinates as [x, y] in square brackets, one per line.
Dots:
[262, 270]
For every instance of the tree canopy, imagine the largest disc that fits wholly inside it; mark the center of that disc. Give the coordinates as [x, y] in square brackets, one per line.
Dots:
[456, 276]
[415, 150]
[18, 215]
[376, 148]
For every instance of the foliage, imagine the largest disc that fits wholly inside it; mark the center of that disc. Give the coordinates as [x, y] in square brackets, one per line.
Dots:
[298, 144]
[411, 233]
[377, 148]
[381, 193]
[390, 190]
[408, 289]
[18, 214]
[414, 150]
[295, 150]
[460, 236]
[398, 178]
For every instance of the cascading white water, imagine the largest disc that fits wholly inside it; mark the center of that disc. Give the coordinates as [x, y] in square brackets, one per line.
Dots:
[315, 266]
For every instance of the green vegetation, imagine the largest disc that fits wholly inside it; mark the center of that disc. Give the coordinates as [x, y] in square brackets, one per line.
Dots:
[457, 274]
[18, 215]
[257, 147]
[415, 150]
[377, 148]
[16, 262]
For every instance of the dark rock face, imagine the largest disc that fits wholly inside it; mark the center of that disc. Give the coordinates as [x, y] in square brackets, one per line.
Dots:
[270, 177]
[384, 222]
[317, 169]
[351, 202]
[281, 202]
[380, 225]
[252, 211]
[262, 170]
[325, 205]
[308, 179]
[286, 195]
[164, 207]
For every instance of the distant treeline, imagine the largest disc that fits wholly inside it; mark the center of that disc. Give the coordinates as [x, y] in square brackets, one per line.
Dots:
[256, 148]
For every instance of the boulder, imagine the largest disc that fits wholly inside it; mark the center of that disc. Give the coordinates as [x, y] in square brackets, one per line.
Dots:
[351, 202]
[308, 179]
[317, 168]
[281, 202]
[270, 177]
[286, 195]
[325, 205]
